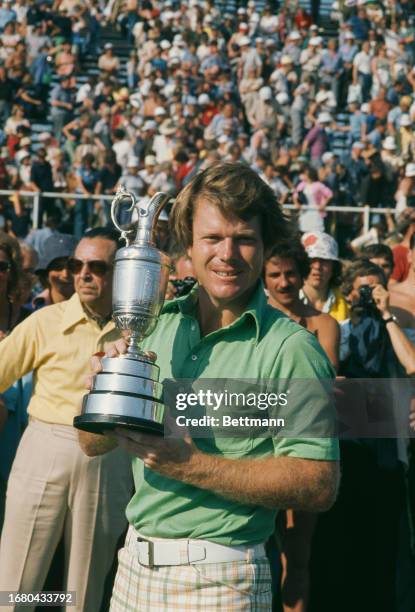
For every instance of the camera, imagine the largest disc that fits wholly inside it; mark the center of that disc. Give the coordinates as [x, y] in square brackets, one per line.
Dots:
[183, 286]
[366, 301]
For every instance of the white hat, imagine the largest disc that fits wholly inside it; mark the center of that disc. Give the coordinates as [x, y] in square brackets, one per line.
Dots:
[160, 111]
[285, 60]
[244, 41]
[365, 108]
[223, 138]
[314, 41]
[265, 93]
[44, 136]
[168, 128]
[348, 35]
[243, 26]
[241, 11]
[322, 96]
[203, 99]
[405, 120]
[320, 245]
[327, 157]
[165, 44]
[150, 160]
[389, 143]
[282, 98]
[20, 155]
[324, 118]
[149, 125]
[295, 35]
[133, 162]
[108, 46]
[410, 170]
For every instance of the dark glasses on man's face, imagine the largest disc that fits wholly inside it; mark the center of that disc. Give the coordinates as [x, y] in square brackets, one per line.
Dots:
[96, 266]
[4, 266]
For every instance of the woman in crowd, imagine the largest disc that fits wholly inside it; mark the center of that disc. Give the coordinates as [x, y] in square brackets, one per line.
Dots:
[321, 287]
[312, 193]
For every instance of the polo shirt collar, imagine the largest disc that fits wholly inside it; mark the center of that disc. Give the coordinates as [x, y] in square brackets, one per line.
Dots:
[73, 314]
[255, 310]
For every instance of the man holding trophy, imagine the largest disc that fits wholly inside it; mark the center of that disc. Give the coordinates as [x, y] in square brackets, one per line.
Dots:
[204, 508]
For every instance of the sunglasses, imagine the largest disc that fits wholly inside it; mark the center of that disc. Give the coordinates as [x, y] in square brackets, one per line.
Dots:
[4, 266]
[97, 267]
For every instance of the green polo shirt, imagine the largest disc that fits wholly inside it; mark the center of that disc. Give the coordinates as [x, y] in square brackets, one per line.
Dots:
[261, 344]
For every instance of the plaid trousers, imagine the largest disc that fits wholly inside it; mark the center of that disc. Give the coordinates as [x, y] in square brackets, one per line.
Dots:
[236, 586]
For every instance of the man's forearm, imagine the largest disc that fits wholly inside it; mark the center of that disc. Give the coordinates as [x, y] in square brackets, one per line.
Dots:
[95, 444]
[274, 482]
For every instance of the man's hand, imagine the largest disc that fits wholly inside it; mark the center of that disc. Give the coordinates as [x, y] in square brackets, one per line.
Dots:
[381, 299]
[175, 458]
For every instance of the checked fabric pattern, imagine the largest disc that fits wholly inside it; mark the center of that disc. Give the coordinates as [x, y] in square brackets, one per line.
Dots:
[238, 586]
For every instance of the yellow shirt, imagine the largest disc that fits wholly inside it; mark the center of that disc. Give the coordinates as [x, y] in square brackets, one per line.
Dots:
[57, 342]
[339, 309]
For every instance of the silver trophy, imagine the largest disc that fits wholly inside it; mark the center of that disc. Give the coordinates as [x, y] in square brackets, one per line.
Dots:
[127, 392]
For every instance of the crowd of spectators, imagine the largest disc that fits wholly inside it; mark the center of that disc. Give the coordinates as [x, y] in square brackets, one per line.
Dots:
[262, 86]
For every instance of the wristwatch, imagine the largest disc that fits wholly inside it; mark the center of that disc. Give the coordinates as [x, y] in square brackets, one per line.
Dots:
[389, 319]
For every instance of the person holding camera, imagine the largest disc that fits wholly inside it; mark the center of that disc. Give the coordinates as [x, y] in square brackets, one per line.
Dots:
[364, 522]
[371, 319]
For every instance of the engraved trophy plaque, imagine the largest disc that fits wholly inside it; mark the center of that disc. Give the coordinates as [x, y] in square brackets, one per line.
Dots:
[127, 392]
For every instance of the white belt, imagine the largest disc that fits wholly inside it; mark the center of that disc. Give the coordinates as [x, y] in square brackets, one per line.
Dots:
[152, 552]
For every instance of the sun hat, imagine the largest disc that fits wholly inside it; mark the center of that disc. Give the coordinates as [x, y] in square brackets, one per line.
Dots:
[320, 245]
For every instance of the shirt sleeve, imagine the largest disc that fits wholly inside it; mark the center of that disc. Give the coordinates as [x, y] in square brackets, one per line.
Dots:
[304, 372]
[18, 352]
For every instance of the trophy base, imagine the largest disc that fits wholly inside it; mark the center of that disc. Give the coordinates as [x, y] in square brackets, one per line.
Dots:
[125, 394]
[104, 423]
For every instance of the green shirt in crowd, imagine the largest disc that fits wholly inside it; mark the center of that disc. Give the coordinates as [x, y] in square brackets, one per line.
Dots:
[262, 344]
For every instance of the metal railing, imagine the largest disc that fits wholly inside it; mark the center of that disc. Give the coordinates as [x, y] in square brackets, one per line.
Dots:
[365, 211]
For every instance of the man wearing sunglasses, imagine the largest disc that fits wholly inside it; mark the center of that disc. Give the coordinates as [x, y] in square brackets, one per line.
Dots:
[54, 490]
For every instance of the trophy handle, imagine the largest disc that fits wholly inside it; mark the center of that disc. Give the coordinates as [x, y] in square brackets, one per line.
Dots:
[122, 194]
[148, 213]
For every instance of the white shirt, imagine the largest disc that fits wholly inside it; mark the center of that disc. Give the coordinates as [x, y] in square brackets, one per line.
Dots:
[362, 62]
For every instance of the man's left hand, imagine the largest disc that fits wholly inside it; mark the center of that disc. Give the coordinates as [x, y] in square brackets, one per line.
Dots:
[174, 458]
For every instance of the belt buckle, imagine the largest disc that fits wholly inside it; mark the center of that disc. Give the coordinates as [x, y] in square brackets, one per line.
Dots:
[150, 552]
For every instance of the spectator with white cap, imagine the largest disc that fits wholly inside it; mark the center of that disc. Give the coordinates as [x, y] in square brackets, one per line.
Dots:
[362, 70]
[148, 172]
[405, 138]
[108, 62]
[389, 155]
[265, 110]
[317, 142]
[164, 143]
[249, 87]
[292, 46]
[279, 78]
[321, 287]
